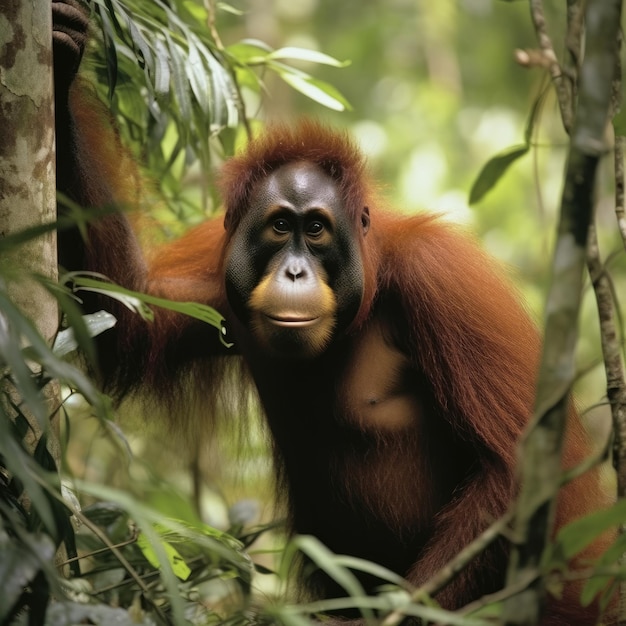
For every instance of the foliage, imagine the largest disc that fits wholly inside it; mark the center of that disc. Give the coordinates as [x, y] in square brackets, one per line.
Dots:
[194, 103]
[133, 548]
[495, 168]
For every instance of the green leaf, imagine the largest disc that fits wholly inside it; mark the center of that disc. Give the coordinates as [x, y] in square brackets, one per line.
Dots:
[98, 283]
[19, 566]
[302, 54]
[381, 604]
[23, 467]
[199, 13]
[108, 36]
[227, 8]
[133, 300]
[16, 239]
[327, 561]
[249, 51]
[197, 75]
[176, 561]
[13, 327]
[598, 585]
[355, 563]
[532, 118]
[493, 171]
[318, 90]
[577, 535]
[225, 111]
[177, 57]
[141, 47]
[65, 341]
[149, 519]
[605, 585]
[162, 69]
[75, 321]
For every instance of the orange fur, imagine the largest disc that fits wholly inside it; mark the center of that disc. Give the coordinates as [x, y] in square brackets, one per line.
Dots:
[412, 493]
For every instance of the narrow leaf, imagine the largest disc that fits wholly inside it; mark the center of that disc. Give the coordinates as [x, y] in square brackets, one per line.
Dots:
[162, 69]
[302, 54]
[199, 13]
[578, 534]
[249, 51]
[176, 561]
[96, 323]
[179, 84]
[141, 46]
[327, 561]
[493, 171]
[227, 8]
[19, 566]
[318, 90]
[532, 118]
[197, 74]
[108, 36]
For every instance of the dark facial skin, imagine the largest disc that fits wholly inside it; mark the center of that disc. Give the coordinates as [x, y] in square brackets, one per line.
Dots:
[293, 270]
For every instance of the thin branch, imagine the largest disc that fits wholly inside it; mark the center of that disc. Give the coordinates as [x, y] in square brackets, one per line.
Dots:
[90, 555]
[541, 458]
[452, 568]
[620, 212]
[499, 528]
[501, 595]
[615, 381]
[552, 63]
[573, 45]
[610, 337]
[132, 572]
[618, 154]
[611, 350]
[210, 5]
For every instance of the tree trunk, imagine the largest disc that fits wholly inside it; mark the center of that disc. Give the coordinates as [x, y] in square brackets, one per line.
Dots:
[27, 178]
[541, 454]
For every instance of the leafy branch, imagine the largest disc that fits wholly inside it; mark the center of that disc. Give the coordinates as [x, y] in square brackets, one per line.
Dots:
[541, 458]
